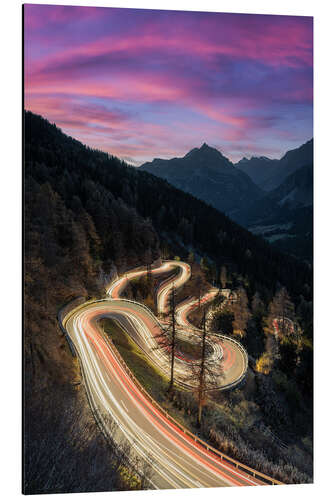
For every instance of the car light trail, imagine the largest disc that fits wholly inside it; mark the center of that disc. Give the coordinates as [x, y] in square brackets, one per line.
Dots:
[177, 459]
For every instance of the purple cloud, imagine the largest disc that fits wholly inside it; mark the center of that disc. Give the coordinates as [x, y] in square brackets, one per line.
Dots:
[142, 83]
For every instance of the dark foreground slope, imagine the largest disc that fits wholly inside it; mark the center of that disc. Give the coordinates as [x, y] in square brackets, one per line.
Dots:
[69, 252]
[88, 215]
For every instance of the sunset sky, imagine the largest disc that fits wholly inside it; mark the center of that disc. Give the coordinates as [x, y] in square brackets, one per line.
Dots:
[142, 84]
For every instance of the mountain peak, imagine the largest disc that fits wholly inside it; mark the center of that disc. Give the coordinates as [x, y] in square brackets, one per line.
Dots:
[205, 147]
[206, 153]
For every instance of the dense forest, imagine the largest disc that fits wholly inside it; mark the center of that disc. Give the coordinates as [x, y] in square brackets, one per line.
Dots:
[88, 215]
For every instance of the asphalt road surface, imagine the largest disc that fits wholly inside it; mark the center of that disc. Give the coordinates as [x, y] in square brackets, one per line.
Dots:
[230, 360]
[178, 461]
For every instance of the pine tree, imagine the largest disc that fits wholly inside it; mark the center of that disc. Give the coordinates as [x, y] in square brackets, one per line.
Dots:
[257, 305]
[223, 277]
[241, 313]
[282, 314]
[280, 327]
[191, 258]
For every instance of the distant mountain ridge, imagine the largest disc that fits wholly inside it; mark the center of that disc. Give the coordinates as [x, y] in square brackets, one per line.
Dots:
[284, 216]
[295, 192]
[268, 197]
[269, 174]
[208, 175]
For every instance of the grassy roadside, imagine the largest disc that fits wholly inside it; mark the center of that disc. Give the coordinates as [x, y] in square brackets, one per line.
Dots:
[232, 422]
[155, 382]
[152, 380]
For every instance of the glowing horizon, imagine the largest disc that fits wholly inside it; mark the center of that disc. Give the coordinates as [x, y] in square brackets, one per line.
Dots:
[142, 84]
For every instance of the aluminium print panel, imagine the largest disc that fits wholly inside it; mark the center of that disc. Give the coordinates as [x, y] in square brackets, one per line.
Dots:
[168, 228]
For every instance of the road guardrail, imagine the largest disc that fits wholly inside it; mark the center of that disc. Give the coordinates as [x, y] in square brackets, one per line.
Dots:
[223, 457]
[238, 465]
[204, 444]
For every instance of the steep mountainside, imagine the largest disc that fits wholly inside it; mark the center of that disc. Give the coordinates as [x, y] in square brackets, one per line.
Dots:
[261, 169]
[269, 174]
[285, 215]
[296, 190]
[208, 175]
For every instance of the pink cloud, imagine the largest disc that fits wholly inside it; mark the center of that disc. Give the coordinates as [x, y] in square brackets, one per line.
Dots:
[182, 75]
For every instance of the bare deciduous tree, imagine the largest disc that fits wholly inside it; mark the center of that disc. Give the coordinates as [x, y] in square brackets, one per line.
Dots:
[203, 373]
[241, 312]
[168, 338]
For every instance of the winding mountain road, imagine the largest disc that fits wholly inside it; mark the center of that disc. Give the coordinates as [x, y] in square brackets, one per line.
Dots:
[177, 458]
[229, 357]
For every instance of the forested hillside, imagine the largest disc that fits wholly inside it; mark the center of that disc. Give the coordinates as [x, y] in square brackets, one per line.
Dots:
[69, 252]
[87, 216]
[129, 207]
